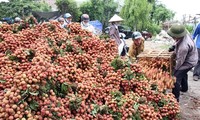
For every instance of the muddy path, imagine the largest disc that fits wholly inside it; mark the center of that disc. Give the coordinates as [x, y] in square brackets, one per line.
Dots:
[190, 101]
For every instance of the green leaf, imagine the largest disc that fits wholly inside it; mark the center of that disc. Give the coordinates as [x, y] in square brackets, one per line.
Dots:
[64, 88]
[95, 110]
[154, 87]
[56, 51]
[2, 81]
[121, 102]
[1, 39]
[59, 43]
[116, 94]
[136, 106]
[74, 104]
[136, 116]
[79, 50]
[116, 115]
[8, 52]
[34, 93]
[162, 102]
[165, 118]
[78, 39]
[50, 42]
[27, 52]
[129, 75]
[53, 58]
[62, 52]
[117, 64]
[69, 47]
[34, 105]
[58, 104]
[24, 93]
[104, 109]
[14, 58]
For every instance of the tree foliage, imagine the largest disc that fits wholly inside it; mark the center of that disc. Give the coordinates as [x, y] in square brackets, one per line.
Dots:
[21, 8]
[145, 14]
[101, 10]
[162, 14]
[69, 6]
[136, 13]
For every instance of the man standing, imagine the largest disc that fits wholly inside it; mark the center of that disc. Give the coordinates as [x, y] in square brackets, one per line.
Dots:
[18, 20]
[68, 18]
[61, 21]
[86, 25]
[196, 37]
[186, 57]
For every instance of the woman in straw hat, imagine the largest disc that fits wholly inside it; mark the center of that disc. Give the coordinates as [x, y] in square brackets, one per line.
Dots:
[114, 32]
[186, 57]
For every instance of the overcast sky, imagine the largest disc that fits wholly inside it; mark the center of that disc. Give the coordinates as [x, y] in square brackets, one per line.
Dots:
[181, 7]
[3, 0]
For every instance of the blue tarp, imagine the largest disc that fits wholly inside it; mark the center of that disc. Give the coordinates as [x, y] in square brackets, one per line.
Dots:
[8, 20]
[97, 24]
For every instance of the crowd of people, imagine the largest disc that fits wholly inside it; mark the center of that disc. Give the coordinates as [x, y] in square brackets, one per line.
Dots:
[138, 41]
[186, 50]
[67, 19]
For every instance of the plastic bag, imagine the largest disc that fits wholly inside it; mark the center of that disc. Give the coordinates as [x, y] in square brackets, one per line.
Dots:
[120, 48]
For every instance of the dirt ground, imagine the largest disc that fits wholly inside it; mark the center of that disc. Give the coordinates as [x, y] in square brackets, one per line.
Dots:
[189, 101]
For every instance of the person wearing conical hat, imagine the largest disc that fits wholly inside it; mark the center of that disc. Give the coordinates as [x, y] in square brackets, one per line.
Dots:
[114, 31]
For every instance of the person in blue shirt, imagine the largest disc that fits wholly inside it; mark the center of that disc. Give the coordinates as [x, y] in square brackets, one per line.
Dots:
[196, 37]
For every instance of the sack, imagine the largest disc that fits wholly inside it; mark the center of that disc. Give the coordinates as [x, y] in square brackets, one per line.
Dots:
[125, 50]
[120, 48]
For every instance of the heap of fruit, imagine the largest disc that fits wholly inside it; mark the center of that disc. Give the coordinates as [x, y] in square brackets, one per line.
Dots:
[49, 73]
[161, 66]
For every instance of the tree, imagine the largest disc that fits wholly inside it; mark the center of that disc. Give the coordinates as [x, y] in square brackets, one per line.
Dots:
[69, 6]
[137, 13]
[101, 10]
[21, 8]
[161, 14]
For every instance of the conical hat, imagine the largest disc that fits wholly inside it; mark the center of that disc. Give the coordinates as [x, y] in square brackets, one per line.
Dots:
[115, 18]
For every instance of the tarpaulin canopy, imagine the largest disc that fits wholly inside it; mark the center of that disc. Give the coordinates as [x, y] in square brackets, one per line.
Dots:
[46, 15]
[8, 20]
[98, 25]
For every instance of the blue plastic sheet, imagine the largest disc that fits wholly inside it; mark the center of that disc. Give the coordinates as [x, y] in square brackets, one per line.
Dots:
[98, 25]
